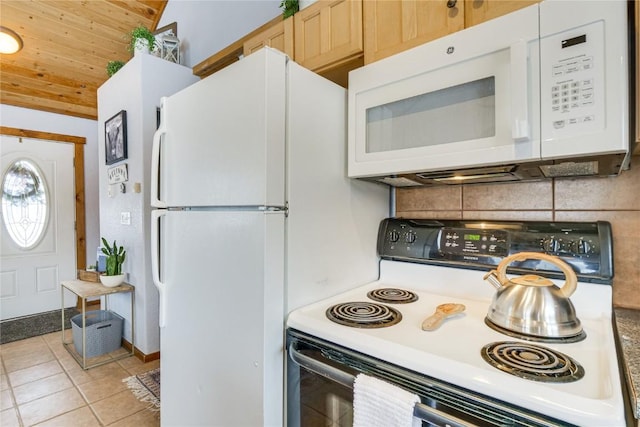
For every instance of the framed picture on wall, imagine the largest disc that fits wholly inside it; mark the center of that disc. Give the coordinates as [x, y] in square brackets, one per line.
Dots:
[115, 138]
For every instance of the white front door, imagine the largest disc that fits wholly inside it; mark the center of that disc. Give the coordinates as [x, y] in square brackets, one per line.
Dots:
[37, 223]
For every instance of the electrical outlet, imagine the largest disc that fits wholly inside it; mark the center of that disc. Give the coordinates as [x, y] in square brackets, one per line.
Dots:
[125, 218]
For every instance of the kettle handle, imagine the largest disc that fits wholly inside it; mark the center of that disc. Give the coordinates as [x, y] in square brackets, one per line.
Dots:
[571, 280]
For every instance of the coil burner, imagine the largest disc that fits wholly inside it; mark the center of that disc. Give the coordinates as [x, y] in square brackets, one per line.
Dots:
[532, 362]
[363, 315]
[392, 295]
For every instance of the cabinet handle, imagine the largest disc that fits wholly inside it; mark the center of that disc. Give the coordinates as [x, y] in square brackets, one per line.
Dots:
[451, 3]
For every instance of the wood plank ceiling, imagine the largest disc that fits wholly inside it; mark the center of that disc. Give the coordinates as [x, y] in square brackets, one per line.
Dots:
[67, 45]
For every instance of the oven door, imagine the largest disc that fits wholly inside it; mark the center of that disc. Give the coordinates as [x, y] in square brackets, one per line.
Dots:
[466, 100]
[320, 379]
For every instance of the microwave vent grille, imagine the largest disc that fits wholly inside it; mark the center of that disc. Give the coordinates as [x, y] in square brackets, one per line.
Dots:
[491, 170]
[398, 181]
[570, 169]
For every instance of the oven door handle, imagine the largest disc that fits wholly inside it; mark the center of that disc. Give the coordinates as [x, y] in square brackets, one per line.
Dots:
[422, 411]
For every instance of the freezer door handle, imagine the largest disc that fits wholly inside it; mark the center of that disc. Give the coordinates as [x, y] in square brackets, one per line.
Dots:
[155, 263]
[155, 159]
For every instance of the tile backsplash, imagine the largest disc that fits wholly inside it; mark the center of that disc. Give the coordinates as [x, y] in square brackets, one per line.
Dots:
[613, 199]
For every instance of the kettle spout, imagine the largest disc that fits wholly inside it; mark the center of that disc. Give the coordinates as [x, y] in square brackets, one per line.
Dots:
[492, 277]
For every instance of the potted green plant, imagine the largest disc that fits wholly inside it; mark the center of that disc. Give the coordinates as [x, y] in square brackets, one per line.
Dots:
[113, 67]
[116, 255]
[289, 7]
[141, 40]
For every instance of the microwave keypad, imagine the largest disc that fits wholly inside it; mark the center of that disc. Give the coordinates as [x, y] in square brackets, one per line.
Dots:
[574, 65]
[570, 95]
[572, 81]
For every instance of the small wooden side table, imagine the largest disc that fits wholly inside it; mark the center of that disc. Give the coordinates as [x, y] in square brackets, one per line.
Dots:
[84, 290]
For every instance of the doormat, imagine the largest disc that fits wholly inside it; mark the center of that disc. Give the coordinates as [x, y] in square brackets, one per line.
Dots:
[146, 387]
[21, 328]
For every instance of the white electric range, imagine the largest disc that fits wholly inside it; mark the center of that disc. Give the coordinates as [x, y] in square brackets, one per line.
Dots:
[465, 372]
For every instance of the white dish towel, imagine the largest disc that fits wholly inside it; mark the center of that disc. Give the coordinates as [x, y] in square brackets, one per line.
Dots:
[379, 404]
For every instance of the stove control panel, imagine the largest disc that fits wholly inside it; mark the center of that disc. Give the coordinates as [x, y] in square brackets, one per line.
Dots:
[462, 241]
[574, 245]
[587, 247]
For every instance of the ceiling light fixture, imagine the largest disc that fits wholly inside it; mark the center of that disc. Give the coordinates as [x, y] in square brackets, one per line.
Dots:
[10, 42]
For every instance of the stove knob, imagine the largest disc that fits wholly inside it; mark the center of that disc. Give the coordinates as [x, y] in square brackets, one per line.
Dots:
[551, 244]
[410, 237]
[394, 236]
[583, 247]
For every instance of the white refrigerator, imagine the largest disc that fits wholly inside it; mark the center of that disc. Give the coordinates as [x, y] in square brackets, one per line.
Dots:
[253, 216]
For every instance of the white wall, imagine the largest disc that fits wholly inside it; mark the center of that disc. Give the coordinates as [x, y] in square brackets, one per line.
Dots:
[207, 26]
[144, 80]
[24, 118]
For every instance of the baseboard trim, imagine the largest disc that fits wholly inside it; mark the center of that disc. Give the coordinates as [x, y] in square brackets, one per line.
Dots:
[140, 355]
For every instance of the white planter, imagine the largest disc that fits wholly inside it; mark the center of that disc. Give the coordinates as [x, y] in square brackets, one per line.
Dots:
[141, 46]
[111, 281]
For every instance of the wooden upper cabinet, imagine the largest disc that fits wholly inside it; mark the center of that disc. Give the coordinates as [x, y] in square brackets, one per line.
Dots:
[279, 36]
[477, 11]
[328, 33]
[392, 26]
[332, 37]
[637, 76]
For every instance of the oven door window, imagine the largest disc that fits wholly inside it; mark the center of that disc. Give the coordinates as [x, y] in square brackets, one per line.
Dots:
[315, 400]
[324, 402]
[434, 118]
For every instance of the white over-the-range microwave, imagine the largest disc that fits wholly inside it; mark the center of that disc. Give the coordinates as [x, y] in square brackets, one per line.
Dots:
[539, 93]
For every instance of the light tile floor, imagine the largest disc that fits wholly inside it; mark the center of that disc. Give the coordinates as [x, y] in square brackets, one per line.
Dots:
[42, 385]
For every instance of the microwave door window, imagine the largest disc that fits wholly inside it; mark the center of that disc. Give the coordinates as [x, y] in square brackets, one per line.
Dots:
[454, 114]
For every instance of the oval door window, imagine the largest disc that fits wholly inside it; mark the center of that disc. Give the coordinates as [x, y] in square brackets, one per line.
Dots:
[25, 203]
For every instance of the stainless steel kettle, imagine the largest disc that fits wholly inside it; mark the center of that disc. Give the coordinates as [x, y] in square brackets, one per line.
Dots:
[534, 305]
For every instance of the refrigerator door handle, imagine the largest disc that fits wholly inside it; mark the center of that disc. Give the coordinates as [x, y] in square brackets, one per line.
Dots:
[155, 159]
[155, 263]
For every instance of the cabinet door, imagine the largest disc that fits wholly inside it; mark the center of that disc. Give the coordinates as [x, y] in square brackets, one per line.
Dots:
[278, 36]
[328, 33]
[477, 11]
[392, 26]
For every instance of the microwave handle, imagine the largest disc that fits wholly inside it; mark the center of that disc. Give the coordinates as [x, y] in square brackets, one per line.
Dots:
[520, 129]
